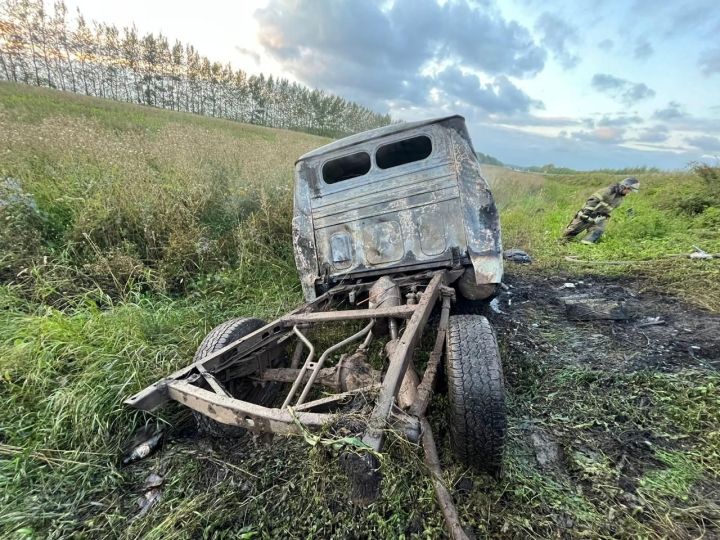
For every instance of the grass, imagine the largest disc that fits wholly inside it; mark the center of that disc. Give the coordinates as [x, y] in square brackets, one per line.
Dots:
[649, 236]
[133, 231]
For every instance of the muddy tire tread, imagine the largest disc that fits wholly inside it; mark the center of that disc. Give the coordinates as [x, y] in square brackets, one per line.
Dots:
[226, 333]
[476, 392]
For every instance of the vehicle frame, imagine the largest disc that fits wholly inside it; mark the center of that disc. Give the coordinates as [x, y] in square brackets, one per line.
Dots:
[437, 234]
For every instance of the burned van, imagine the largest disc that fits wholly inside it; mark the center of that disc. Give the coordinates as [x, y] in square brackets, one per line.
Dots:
[401, 198]
[388, 226]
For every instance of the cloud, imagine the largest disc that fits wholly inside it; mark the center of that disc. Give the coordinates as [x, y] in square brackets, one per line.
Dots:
[704, 143]
[606, 45]
[604, 135]
[556, 35]
[499, 96]
[643, 49]
[696, 16]
[637, 92]
[523, 148]
[619, 121]
[673, 111]
[672, 19]
[529, 120]
[605, 82]
[249, 53]
[421, 58]
[681, 120]
[654, 134]
[620, 89]
[710, 61]
[379, 55]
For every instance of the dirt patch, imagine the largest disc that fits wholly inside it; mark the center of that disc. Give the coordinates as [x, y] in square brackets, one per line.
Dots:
[662, 333]
[543, 349]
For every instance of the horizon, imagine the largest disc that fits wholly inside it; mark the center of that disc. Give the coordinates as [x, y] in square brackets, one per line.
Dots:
[570, 87]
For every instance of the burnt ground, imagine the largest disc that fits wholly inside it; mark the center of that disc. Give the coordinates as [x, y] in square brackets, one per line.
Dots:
[660, 333]
[613, 423]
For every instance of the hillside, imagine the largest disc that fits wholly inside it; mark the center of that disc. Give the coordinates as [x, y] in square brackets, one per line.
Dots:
[129, 232]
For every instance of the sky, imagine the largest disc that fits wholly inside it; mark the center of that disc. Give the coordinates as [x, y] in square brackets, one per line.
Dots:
[582, 84]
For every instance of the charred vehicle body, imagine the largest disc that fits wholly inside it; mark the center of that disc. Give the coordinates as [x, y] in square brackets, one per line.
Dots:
[389, 227]
[402, 198]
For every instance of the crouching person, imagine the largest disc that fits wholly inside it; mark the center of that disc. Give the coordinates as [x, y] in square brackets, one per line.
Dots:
[593, 216]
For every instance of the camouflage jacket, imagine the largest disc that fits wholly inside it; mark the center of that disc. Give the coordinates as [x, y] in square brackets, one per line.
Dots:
[602, 202]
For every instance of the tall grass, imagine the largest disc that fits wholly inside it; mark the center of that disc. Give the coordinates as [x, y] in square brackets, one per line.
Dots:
[145, 205]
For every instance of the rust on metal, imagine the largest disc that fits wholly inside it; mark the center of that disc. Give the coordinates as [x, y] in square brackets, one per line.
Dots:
[336, 398]
[354, 371]
[326, 376]
[407, 395]
[401, 312]
[427, 207]
[321, 361]
[212, 381]
[399, 361]
[242, 413]
[426, 386]
[156, 394]
[301, 373]
[384, 294]
[432, 460]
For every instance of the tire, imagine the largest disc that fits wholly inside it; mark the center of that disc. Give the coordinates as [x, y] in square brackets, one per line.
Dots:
[473, 292]
[219, 337]
[476, 392]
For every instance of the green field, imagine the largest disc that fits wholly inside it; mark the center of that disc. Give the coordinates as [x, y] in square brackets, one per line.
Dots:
[126, 233]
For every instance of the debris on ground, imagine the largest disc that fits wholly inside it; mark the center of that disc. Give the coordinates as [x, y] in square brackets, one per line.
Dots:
[151, 494]
[143, 443]
[517, 256]
[547, 451]
[697, 254]
[700, 254]
[152, 481]
[581, 308]
[650, 321]
[495, 305]
[535, 308]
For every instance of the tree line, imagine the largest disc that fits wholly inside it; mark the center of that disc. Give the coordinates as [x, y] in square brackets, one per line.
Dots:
[46, 48]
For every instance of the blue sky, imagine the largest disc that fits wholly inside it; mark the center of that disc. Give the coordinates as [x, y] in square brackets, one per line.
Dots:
[580, 84]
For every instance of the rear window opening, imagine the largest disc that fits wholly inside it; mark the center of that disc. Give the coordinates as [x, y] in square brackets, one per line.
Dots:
[402, 152]
[346, 167]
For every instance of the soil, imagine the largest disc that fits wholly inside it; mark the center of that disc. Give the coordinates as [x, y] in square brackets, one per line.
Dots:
[662, 333]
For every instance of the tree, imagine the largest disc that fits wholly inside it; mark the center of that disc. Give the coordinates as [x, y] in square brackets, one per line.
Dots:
[41, 46]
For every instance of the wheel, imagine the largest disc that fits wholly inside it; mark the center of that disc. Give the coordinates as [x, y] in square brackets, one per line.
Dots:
[240, 388]
[473, 292]
[476, 392]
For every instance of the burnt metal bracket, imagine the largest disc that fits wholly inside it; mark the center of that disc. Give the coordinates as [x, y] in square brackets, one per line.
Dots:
[401, 312]
[212, 381]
